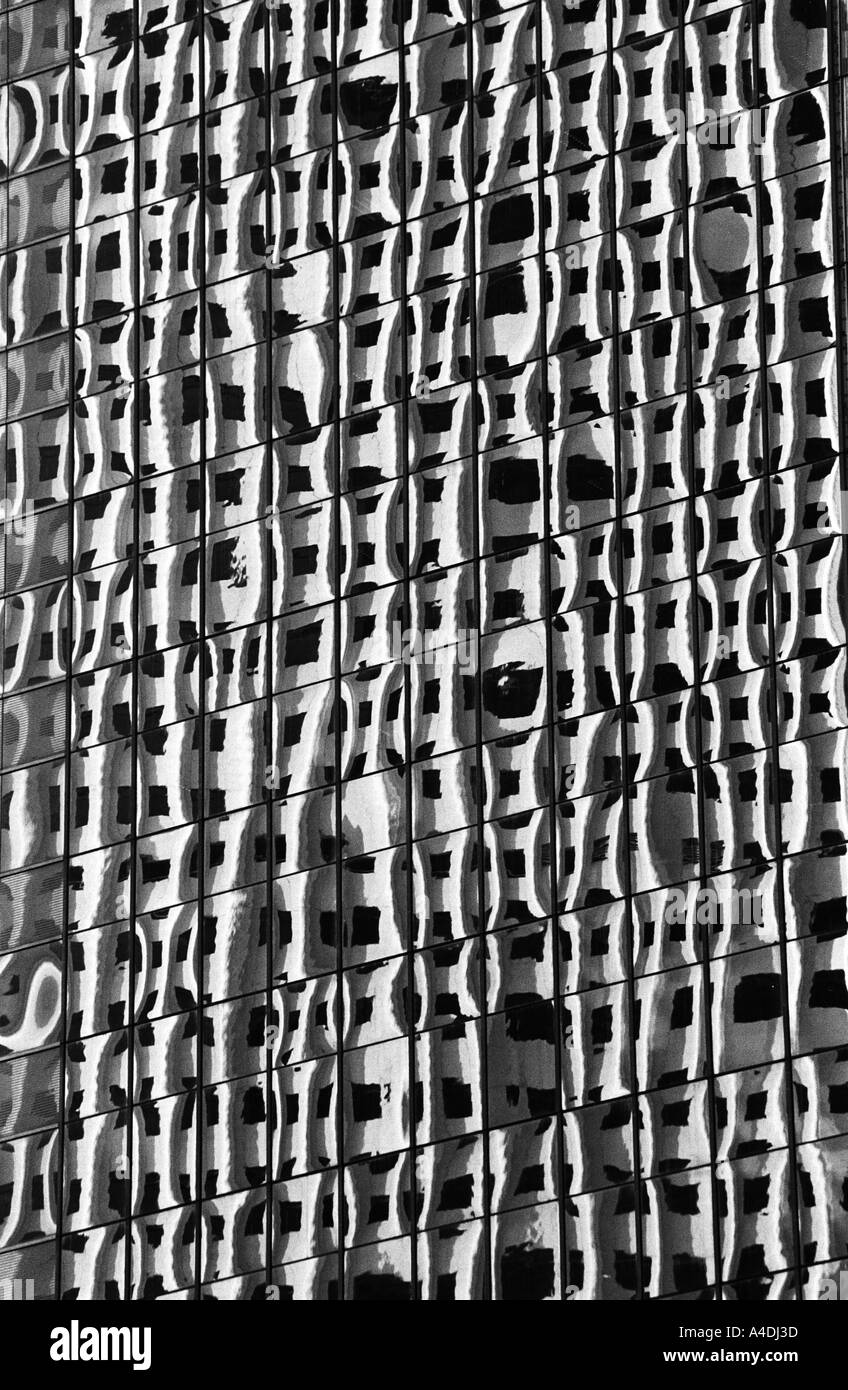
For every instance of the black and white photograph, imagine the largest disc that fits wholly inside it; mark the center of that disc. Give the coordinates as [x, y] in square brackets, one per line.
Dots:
[423, 700]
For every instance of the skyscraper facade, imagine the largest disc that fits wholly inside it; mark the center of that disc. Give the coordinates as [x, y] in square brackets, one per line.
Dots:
[424, 728]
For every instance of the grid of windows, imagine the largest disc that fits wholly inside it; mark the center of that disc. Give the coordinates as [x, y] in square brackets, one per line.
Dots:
[424, 715]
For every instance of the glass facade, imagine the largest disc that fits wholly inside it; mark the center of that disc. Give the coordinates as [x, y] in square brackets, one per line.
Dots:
[424, 715]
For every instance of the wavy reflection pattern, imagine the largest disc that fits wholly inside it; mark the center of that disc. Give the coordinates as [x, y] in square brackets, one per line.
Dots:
[424, 723]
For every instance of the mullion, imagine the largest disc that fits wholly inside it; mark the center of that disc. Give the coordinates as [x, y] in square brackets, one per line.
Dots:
[838, 132]
[273, 1121]
[135, 405]
[406, 486]
[69, 641]
[203, 661]
[542, 89]
[337, 706]
[702, 937]
[478, 775]
[774, 751]
[621, 655]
